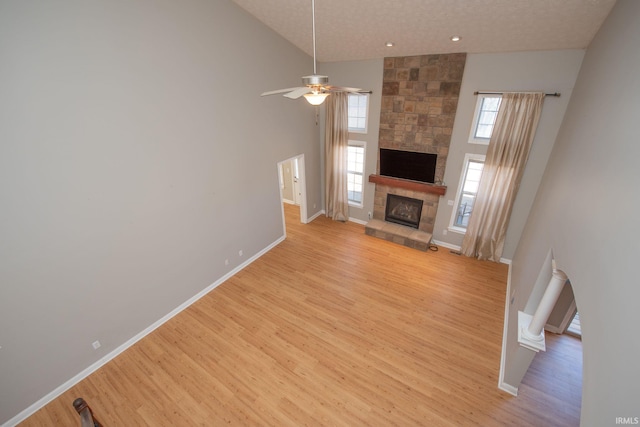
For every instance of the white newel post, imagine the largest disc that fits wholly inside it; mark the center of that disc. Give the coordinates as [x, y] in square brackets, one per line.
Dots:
[531, 328]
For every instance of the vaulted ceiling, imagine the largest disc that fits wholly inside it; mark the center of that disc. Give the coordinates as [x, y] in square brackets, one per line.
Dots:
[359, 29]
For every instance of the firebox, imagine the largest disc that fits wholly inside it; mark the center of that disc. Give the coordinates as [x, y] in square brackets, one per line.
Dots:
[403, 210]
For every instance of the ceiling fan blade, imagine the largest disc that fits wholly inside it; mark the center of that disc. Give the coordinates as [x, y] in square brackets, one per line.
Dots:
[343, 89]
[298, 92]
[275, 92]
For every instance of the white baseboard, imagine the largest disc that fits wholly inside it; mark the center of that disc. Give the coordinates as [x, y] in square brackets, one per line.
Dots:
[553, 329]
[315, 216]
[357, 221]
[113, 354]
[458, 248]
[322, 212]
[446, 245]
[508, 388]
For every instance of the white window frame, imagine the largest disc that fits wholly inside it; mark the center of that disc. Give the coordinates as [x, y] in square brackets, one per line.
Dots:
[366, 113]
[476, 118]
[463, 175]
[363, 144]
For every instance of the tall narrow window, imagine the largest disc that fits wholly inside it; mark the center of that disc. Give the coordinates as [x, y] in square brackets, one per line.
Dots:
[467, 190]
[484, 118]
[358, 112]
[355, 172]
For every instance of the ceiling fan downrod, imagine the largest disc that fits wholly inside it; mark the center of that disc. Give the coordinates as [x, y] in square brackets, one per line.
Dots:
[314, 79]
[316, 87]
[313, 32]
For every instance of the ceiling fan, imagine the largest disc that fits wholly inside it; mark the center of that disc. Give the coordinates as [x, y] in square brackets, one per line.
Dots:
[316, 87]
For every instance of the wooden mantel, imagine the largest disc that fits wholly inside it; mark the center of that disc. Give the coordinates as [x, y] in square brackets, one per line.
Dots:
[408, 184]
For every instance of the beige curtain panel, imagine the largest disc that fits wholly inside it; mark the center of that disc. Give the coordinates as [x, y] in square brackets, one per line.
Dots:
[335, 145]
[505, 161]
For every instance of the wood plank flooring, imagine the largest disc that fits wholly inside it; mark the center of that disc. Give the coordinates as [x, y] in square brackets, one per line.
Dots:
[331, 327]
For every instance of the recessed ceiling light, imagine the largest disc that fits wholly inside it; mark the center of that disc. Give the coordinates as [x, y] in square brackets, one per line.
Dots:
[389, 44]
[455, 38]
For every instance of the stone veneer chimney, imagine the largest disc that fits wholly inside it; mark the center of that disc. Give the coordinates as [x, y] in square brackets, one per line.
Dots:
[419, 103]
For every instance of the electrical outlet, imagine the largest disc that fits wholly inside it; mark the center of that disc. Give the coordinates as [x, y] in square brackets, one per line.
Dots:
[314, 206]
[450, 202]
[96, 345]
[369, 215]
[226, 262]
[240, 253]
[444, 232]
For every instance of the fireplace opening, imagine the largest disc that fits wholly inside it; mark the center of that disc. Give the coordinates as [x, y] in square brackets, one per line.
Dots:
[403, 210]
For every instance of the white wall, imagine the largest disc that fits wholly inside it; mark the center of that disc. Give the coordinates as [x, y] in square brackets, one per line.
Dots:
[135, 156]
[585, 211]
[365, 75]
[548, 71]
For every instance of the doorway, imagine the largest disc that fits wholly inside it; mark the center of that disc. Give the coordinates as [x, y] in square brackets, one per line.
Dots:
[292, 180]
[564, 318]
[561, 362]
[574, 327]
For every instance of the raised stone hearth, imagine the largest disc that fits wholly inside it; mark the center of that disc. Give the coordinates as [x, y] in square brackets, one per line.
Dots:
[403, 235]
[400, 234]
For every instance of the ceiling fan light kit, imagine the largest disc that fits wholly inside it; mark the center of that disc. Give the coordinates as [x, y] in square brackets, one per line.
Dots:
[315, 98]
[316, 87]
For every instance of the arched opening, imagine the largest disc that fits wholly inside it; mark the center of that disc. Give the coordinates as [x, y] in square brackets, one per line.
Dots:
[557, 371]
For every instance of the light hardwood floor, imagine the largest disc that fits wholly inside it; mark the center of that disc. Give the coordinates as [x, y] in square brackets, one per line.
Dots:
[333, 327]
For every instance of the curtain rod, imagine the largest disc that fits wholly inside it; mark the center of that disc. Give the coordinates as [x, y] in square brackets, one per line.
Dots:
[502, 93]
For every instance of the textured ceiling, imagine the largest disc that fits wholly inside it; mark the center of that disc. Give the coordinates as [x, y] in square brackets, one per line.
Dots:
[358, 29]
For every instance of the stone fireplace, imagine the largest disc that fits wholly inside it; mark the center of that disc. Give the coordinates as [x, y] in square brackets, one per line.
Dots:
[419, 103]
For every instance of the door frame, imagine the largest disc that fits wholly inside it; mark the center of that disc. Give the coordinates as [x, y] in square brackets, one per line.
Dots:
[295, 178]
[286, 180]
[302, 182]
